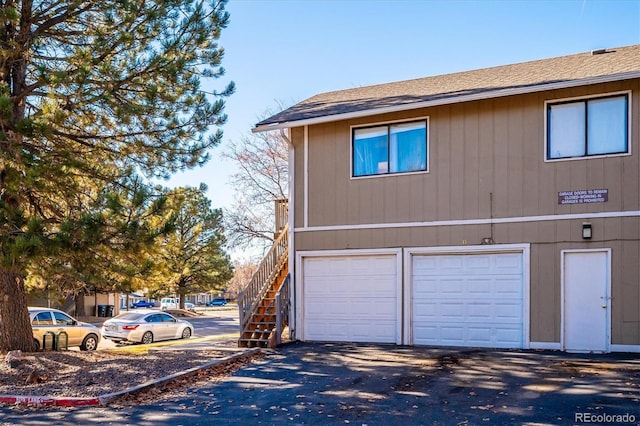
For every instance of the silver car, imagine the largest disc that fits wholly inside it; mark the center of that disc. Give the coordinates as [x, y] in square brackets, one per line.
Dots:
[145, 327]
[52, 321]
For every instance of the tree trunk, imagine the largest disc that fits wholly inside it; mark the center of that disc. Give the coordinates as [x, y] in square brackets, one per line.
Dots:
[80, 307]
[182, 292]
[15, 326]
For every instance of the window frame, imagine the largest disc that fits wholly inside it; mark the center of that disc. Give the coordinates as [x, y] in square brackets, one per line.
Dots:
[388, 124]
[167, 318]
[42, 322]
[585, 99]
[60, 318]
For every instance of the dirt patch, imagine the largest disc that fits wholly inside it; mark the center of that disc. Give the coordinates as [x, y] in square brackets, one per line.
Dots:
[91, 374]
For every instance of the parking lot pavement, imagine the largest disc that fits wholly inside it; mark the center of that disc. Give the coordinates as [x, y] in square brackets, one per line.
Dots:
[338, 384]
[341, 384]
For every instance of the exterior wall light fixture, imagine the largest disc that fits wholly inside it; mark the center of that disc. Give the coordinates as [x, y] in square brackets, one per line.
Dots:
[586, 230]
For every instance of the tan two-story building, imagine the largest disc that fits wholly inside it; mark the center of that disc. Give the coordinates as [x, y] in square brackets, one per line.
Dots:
[491, 208]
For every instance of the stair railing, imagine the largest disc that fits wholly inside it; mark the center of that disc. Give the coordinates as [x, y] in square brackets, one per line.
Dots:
[283, 305]
[250, 297]
[281, 215]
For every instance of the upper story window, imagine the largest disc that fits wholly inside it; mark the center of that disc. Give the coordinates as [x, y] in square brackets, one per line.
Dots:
[588, 127]
[392, 148]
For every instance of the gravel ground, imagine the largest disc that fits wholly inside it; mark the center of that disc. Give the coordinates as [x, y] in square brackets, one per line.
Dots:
[91, 374]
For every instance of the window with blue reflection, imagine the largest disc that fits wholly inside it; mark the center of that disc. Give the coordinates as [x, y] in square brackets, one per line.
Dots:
[395, 148]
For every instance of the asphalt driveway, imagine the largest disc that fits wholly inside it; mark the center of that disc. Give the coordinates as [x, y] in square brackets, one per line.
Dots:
[337, 384]
[384, 385]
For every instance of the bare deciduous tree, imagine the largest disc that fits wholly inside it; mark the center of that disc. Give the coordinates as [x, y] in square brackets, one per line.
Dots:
[262, 178]
[243, 271]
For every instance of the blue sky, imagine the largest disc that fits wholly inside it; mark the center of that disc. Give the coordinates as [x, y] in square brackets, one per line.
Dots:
[290, 50]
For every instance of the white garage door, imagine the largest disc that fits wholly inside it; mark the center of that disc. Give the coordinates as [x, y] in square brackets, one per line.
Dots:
[468, 300]
[350, 299]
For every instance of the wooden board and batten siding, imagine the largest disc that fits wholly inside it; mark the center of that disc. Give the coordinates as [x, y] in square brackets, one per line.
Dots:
[486, 159]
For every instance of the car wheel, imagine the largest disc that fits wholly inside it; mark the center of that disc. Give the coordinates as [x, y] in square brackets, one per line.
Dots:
[147, 338]
[90, 343]
[186, 333]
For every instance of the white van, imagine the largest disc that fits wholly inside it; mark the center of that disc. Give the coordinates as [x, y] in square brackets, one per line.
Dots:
[169, 303]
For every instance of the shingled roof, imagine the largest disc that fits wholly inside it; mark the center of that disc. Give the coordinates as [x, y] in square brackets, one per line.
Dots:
[546, 74]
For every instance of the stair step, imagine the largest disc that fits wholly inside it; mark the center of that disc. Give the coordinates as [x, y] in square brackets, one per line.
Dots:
[260, 316]
[256, 331]
[247, 331]
[250, 331]
[261, 325]
[252, 336]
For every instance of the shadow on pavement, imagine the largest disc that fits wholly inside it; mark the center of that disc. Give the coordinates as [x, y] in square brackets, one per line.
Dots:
[337, 384]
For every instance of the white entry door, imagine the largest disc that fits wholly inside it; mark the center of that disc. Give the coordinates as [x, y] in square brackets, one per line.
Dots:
[586, 278]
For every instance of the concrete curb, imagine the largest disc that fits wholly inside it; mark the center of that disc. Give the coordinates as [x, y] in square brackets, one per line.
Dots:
[106, 398]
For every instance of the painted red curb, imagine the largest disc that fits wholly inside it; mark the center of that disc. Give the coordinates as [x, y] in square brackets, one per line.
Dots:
[49, 401]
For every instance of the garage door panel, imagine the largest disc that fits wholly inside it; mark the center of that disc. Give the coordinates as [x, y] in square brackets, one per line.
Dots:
[350, 298]
[509, 285]
[362, 331]
[509, 264]
[376, 287]
[429, 286]
[473, 264]
[478, 264]
[451, 334]
[468, 300]
[350, 308]
[479, 311]
[364, 307]
[508, 312]
[452, 311]
[479, 336]
[451, 286]
[350, 330]
[425, 310]
[506, 337]
[449, 263]
[479, 286]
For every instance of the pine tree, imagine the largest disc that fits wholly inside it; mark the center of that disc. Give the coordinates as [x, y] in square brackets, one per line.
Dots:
[91, 91]
[191, 258]
[110, 248]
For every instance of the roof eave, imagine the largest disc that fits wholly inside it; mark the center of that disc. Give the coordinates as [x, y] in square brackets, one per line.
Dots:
[450, 100]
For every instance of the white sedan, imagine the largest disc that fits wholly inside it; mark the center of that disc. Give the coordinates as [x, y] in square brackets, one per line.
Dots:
[145, 327]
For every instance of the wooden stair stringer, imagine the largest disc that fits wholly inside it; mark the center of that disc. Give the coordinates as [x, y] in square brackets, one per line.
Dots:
[261, 326]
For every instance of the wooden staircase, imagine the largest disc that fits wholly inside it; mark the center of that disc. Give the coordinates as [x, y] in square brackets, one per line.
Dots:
[264, 304]
[261, 328]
